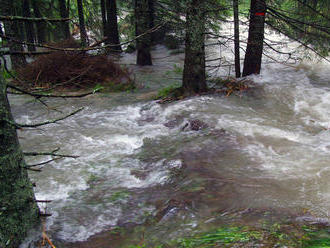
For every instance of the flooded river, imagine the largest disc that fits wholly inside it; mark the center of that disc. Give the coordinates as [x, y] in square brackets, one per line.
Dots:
[267, 150]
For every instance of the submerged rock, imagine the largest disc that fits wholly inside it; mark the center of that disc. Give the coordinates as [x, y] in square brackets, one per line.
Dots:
[195, 125]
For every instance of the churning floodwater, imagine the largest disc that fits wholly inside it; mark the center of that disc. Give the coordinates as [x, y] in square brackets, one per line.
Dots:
[268, 148]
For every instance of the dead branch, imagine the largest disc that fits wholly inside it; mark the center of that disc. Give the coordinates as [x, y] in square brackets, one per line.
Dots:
[52, 153]
[90, 48]
[39, 164]
[37, 96]
[29, 19]
[18, 126]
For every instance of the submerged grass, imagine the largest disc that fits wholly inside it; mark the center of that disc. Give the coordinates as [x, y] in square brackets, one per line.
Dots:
[275, 235]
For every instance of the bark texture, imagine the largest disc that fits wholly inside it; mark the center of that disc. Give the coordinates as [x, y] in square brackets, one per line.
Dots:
[253, 55]
[18, 209]
[112, 25]
[142, 25]
[194, 76]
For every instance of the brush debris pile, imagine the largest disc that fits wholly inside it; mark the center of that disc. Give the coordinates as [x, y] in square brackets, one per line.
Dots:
[73, 70]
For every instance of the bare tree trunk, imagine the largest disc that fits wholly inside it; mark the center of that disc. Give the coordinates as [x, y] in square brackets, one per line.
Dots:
[112, 25]
[142, 25]
[194, 76]
[83, 33]
[252, 61]
[29, 27]
[41, 26]
[65, 25]
[236, 38]
[18, 208]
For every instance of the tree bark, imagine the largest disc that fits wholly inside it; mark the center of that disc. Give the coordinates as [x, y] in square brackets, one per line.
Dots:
[41, 26]
[236, 40]
[194, 76]
[29, 27]
[253, 56]
[83, 33]
[18, 208]
[142, 25]
[64, 13]
[11, 30]
[112, 25]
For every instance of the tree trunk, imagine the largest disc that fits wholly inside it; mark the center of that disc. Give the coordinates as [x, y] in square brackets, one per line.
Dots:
[64, 25]
[104, 17]
[236, 38]
[151, 6]
[29, 27]
[252, 61]
[142, 25]
[83, 33]
[18, 208]
[41, 26]
[112, 25]
[11, 30]
[194, 76]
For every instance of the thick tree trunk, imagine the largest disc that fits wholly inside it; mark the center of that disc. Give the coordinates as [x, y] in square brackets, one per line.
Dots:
[194, 76]
[29, 27]
[64, 25]
[104, 17]
[83, 33]
[18, 208]
[236, 38]
[142, 25]
[11, 30]
[41, 26]
[151, 7]
[112, 25]
[252, 61]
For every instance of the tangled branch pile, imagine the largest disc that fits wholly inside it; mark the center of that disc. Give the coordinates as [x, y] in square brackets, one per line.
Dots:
[74, 70]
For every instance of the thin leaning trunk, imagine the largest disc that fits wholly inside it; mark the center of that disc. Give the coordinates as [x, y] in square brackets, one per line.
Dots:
[236, 40]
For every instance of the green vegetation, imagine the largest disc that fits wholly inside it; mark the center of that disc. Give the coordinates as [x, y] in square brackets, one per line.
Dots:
[222, 236]
[167, 91]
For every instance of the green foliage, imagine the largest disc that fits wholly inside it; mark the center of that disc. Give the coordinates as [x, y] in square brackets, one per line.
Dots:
[222, 236]
[167, 91]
